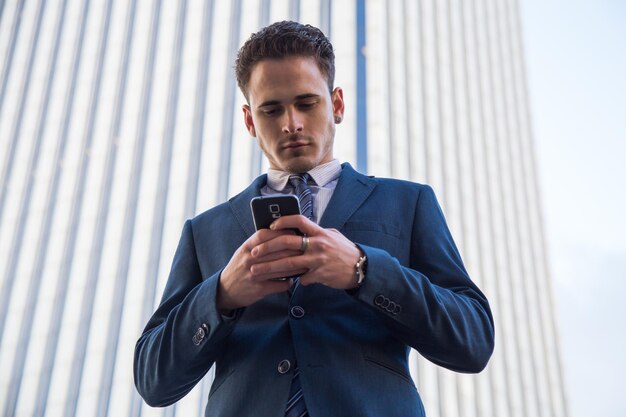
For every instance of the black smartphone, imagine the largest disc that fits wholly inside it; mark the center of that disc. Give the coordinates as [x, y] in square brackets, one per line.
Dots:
[266, 209]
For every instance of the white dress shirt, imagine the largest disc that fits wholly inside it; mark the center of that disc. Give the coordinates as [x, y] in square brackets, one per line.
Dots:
[325, 177]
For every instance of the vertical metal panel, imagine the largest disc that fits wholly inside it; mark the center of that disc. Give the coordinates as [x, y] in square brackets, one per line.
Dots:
[361, 92]
[90, 289]
[256, 156]
[109, 172]
[129, 217]
[43, 388]
[27, 326]
[199, 111]
[408, 81]
[7, 58]
[229, 103]
[423, 97]
[393, 134]
[16, 247]
[456, 130]
[2, 2]
[326, 17]
[16, 25]
[442, 187]
[294, 10]
[156, 235]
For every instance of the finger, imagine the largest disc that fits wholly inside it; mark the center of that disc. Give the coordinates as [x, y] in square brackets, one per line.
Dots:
[264, 235]
[296, 222]
[292, 265]
[280, 243]
[275, 255]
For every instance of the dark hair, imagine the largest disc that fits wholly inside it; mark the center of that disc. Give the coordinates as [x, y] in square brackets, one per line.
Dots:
[282, 40]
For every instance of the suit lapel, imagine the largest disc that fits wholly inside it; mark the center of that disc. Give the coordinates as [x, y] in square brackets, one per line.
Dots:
[240, 204]
[351, 192]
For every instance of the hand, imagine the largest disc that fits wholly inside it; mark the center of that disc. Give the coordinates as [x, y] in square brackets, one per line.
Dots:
[239, 286]
[329, 259]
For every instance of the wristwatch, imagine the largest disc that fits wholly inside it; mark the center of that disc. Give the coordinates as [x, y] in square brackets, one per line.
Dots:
[360, 268]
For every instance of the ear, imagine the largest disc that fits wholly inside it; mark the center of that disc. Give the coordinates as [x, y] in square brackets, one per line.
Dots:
[247, 119]
[338, 104]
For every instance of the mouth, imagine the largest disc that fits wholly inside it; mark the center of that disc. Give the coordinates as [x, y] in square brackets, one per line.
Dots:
[295, 142]
[295, 145]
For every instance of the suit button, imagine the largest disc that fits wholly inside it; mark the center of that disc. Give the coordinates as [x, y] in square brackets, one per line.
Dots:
[297, 312]
[391, 307]
[283, 366]
[199, 335]
[398, 309]
[379, 300]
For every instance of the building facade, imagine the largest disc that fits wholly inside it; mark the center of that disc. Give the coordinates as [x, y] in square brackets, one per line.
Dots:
[120, 119]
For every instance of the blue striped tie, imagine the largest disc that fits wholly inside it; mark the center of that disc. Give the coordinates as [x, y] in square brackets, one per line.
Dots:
[304, 193]
[296, 406]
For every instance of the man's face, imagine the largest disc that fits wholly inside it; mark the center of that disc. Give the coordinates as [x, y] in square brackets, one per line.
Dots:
[292, 113]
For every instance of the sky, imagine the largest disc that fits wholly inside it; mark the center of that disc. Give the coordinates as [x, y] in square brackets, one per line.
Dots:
[576, 61]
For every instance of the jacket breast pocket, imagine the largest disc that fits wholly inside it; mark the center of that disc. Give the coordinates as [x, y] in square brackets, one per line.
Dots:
[381, 235]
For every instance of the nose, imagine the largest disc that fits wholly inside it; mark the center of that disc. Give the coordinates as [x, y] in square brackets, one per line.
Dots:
[292, 122]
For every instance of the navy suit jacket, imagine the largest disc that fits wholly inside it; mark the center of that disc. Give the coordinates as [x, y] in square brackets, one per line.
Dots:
[351, 347]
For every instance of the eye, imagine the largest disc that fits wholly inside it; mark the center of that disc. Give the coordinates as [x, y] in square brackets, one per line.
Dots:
[305, 105]
[270, 111]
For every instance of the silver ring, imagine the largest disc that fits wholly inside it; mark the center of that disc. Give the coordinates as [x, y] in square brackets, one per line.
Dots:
[305, 243]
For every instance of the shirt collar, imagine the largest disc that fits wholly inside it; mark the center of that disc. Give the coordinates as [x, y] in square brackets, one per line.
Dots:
[321, 174]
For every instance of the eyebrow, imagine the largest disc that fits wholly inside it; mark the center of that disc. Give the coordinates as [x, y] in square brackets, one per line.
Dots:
[298, 97]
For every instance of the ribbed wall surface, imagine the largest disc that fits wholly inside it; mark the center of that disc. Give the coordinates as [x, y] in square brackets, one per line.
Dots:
[120, 119]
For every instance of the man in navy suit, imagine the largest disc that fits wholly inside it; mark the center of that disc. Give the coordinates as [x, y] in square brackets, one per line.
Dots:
[378, 270]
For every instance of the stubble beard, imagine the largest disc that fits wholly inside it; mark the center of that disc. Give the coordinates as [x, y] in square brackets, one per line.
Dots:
[302, 161]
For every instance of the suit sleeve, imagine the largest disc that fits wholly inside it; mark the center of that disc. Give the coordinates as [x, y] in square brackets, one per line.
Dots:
[432, 305]
[183, 337]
